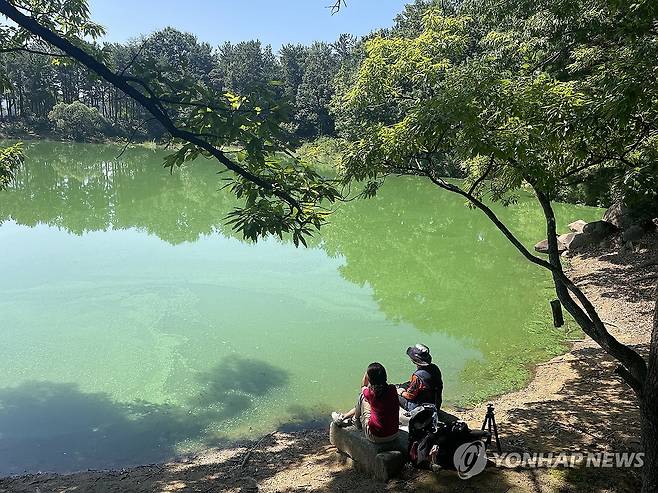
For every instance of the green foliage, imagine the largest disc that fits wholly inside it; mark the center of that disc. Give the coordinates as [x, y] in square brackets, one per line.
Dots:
[315, 92]
[173, 51]
[10, 158]
[323, 154]
[31, 84]
[497, 91]
[244, 66]
[77, 121]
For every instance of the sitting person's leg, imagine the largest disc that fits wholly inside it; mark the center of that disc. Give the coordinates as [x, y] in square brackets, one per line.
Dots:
[362, 419]
[358, 415]
[362, 412]
[406, 404]
[345, 419]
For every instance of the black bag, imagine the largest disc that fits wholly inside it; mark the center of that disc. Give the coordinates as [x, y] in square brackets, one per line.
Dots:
[432, 441]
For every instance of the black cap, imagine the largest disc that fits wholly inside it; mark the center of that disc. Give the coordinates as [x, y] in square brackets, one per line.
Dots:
[420, 354]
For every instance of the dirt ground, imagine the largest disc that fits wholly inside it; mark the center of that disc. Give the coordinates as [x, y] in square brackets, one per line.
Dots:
[574, 402]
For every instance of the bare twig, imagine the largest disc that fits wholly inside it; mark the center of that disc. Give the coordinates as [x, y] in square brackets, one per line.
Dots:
[134, 57]
[247, 456]
[132, 136]
[336, 6]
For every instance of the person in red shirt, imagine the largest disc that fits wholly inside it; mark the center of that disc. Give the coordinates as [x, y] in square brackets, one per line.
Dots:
[376, 411]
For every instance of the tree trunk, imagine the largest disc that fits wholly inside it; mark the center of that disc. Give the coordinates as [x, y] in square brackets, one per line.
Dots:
[649, 413]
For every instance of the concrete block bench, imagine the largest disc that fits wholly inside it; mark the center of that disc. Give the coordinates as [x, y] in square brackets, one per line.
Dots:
[382, 461]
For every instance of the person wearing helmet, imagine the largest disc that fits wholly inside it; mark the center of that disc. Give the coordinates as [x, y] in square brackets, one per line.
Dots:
[426, 384]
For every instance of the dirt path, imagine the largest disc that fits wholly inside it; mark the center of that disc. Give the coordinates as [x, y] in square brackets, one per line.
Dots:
[574, 402]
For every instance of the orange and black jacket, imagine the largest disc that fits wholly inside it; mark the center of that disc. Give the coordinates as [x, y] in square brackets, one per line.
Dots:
[425, 387]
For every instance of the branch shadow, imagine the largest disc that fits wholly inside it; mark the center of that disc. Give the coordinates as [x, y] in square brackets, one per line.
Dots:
[590, 418]
[633, 282]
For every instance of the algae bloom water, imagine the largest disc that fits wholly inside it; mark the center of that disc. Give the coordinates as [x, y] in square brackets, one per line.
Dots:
[136, 325]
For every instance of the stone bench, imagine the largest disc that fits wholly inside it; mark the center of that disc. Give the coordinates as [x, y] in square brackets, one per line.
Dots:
[382, 461]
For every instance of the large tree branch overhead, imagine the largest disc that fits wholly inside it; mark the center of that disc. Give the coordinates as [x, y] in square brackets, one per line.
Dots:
[150, 102]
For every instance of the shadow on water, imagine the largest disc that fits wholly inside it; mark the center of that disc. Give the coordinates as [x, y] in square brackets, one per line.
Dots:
[48, 426]
[233, 385]
[55, 426]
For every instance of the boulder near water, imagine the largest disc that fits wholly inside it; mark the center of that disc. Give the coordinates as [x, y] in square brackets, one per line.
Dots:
[618, 215]
[582, 234]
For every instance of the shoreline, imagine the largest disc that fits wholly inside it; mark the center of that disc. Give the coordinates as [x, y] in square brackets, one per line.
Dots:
[574, 401]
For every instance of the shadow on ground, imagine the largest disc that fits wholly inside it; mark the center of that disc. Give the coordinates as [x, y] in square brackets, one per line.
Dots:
[631, 276]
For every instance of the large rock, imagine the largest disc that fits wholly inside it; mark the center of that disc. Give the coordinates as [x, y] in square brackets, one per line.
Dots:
[382, 461]
[634, 233]
[577, 226]
[618, 214]
[599, 230]
[571, 241]
[565, 240]
[542, 246]
[579, 241]
[574, 241]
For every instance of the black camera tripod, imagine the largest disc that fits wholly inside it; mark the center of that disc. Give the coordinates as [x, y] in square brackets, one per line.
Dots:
[489, 424]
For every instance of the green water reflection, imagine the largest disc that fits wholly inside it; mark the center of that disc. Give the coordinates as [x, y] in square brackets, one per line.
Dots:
[136, 325]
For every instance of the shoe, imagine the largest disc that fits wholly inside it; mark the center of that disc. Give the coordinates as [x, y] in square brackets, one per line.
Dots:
[340, 420]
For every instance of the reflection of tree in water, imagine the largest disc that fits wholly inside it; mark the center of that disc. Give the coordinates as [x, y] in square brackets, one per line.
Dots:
[432, 262]
[56, 427]
[429, 260]
[83, 188]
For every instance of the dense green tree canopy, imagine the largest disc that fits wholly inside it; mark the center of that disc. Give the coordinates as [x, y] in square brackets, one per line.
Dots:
[524, 97]
[37, 83]
[76, 120]
[10, 158]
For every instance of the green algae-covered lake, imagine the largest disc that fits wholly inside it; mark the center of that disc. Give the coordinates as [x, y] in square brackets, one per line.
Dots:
[135, 325]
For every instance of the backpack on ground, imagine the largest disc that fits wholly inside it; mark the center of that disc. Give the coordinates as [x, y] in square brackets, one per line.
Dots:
[434, 441]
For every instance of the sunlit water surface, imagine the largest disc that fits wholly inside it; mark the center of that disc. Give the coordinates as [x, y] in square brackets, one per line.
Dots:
[136, 325]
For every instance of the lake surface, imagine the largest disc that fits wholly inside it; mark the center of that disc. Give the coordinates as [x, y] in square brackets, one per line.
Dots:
[135, 325]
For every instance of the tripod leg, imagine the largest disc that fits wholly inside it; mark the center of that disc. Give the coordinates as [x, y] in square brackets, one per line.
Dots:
[495, 429]
[485, 426]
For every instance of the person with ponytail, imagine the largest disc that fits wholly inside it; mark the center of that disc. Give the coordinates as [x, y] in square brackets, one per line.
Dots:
[376, 411]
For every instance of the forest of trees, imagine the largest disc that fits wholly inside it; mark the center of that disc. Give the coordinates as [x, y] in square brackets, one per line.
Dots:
[304, 75]
[311, 78]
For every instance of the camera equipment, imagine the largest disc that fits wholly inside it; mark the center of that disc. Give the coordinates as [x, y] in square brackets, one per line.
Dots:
[489, 424]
